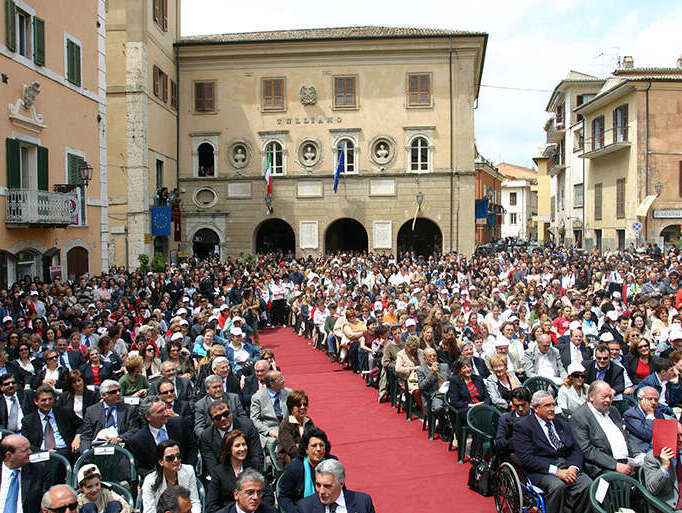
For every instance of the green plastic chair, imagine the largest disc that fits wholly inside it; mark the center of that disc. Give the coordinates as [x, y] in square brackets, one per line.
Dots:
[482, 424]
[539, 383]
[110, 465]
[461, 430]
[202, 495]
[624, 404]
[400, 390]
[121, 490]
[272, 452]
[57, 460]
[277, 486]
[622, 493]
[429, 421]
[393, 387]
[6, 432]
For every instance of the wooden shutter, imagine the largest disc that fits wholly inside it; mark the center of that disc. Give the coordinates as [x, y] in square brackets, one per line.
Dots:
[11, 25]
[164, 9]
[157, 16]
[39, 41]
[73, 62]
[155, 73]
[13, 167]
[43, 174]
[625, 122]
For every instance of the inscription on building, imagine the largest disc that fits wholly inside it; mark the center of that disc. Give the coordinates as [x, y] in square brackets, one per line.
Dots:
[382, 187]
[309, 189]
[308, 234]
[318, 120]
[239, 190]
[383, 234]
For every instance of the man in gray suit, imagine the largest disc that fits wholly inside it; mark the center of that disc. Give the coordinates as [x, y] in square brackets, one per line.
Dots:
[109, 412]
[183, 387]
[598, 429]
[269, 407]
[660, 473]
[214, 392]
[543, 360]
[431, 377]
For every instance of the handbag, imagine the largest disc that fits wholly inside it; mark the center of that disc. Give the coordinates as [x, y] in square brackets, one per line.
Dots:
[481, 477]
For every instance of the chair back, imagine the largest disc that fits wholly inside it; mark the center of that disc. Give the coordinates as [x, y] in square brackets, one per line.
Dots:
[624, 404]
[6, 432]
[539, 383]
[202, 495]
[120, 490]
[115, 467]
[623, 492]
[57, 460]
[482, 420]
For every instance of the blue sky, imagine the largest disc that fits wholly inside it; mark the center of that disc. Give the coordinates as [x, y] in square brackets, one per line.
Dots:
[532, 45]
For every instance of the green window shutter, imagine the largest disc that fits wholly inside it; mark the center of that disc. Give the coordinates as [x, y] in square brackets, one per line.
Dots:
[39, 41]
[77, 64]
[73, 63]
[73, 163]
[13, 168]
[11, 25]
[42, 168]
[69, 60]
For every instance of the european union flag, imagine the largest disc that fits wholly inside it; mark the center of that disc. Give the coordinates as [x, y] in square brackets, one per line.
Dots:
[339, 169]
[161, 221]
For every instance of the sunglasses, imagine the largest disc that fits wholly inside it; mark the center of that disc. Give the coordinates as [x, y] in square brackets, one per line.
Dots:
[70, 507]
[643, 347]
[8, 383]
[167, 392]
[51, 358]
[113, 392]
[171, 457]
[601, 358]
[303, 405]
[224, 415]
[579, 376]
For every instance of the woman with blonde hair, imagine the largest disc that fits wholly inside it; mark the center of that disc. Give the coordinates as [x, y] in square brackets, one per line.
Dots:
[501, 383]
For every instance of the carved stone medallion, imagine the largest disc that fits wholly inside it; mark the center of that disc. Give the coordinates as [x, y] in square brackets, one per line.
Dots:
[308, 95]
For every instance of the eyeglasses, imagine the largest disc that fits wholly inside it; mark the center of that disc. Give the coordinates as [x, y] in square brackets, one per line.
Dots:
[578, 376]
[166, 392]
[172, 457]
[51, 358]
[601, 358]
[113, 392]
[223, 415]
[643, 347]
[251, 493]
[8, 383]
[62, 509]
[303, 405]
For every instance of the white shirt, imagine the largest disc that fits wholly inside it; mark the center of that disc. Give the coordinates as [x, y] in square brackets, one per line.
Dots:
[576, 354]
[20, 416]
[4, 488]
[78, 405]
[545, 367]
[340, 504]
[619, 447]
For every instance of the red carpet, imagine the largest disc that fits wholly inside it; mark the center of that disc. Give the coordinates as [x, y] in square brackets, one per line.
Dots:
[385, 456]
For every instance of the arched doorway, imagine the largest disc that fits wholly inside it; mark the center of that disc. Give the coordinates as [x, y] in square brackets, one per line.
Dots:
[77, 261]
[206, 160]
[345, 235]
[205, 243]
[425, 239]
[28, 263]
[670, 233]
[275, 235]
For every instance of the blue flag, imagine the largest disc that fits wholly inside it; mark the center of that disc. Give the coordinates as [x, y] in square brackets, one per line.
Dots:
[339, 169]
[161, 221]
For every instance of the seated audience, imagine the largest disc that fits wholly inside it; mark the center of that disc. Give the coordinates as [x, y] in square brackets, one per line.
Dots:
[661, 473]
[639, 420]
[330, 480]
[50, 374]
[466, 389]
[665, 380]
[269, 408]
[107, 414]
[214, 392]
[520, 401]
[133, 383]
[601, 369]
[76, 396]
[543, 360]
[248, 493]
[432, 377]
[95, 370]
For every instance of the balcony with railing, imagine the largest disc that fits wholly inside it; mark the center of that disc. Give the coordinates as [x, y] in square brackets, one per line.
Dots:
[556, 130]
[557, 161]
[606, 142]
[29, 207]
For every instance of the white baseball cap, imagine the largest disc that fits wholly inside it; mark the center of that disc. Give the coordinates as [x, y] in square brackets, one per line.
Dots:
[410, 322]
[575, 367]
[181, 311]
[236, 331]
[177, 335]
[606, 337]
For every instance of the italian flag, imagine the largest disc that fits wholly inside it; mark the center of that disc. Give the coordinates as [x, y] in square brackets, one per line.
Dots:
[268, 174]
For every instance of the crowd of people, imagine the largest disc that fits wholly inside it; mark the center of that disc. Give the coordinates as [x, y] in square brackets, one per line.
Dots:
[169, 365]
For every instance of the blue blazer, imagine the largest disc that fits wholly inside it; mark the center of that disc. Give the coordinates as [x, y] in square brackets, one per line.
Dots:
[673, 392]
[356, 502]
[458, 392]
[534, 451]
[640, 429]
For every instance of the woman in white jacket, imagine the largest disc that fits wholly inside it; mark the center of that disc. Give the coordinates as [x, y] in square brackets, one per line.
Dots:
[169, 472]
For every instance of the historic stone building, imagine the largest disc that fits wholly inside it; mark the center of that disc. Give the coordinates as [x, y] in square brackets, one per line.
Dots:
[393, 109]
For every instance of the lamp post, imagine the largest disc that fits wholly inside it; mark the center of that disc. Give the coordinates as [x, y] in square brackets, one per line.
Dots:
[658, 187]
[85, 174]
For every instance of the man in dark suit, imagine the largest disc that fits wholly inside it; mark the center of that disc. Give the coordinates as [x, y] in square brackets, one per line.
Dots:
[479, 366]
[214, 392]
[69, 360]
[574, 350]
[160, 425]
[110, 412]
[166, 391]
[254, 382]
[551, 458]
[639, 420]
[248, 494]
[330, 476]
[520, 399]
[223, 421]
[51, 427]
[35, 478]
[598, 429]
[664, 373]
[183, 387]
[601, 369]
[13, 405]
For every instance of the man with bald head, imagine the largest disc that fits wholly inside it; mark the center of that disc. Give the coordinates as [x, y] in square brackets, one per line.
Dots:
[254, 382]
[269, 407]
[598, 428]
[21, 483]
[60, 497]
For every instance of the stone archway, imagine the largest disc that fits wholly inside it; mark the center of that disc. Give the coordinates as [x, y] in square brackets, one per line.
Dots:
[346, 235]
[670, 233]
[205, 243]
[274, 235]
[425, 239]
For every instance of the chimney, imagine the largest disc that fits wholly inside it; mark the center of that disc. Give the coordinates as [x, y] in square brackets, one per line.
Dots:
[628, 62]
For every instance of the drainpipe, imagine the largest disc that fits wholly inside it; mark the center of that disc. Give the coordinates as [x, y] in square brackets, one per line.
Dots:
[646, 164]
[451, 149]
[177, 137]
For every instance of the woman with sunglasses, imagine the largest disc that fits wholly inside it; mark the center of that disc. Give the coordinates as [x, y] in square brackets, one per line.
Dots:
[151, 365]
[639, 361]
[291, 429]
[573, 392]
[23, 367]
[51, 374]
[169, 472]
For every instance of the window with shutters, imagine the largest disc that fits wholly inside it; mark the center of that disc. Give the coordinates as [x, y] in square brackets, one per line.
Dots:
[74, 163]
[161, 14]
[204, 96]
[578, 194]
[513, 218]
[160, 84]
[273, 94]
[620, 124]
[25, 33]
[27, 165]
[345, 93]
[597, 201]
[345, 149]
[620, 198]
[419, 90]
[173, 94]
[73, 60]
[597, 132]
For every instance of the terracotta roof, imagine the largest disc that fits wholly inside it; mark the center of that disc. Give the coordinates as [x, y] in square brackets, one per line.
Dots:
[517, 172]
[648, 71]
[367, 32]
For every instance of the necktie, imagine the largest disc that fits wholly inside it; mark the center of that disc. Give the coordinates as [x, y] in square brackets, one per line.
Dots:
[63, 361]
[13, 419]
[50, 442]
[12, 493]
[332, 507]
[111, 421]
[278, 407]
[553, 437]
[162, 436]
[578, 355]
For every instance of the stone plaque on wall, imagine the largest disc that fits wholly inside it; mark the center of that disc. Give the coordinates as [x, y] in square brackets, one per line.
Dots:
[383, 235]
[308, 234]
[239, 190]
[382, 187]
[309, 189]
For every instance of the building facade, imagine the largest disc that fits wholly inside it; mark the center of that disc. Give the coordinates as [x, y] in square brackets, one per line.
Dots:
[142, 108]
[632, 149]
[390, 109]
[519, 201]
[488, 191]
[54, 126]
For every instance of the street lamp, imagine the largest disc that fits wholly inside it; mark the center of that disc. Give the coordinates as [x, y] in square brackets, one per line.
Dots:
[420, 199]
[85, 173]
[658, 187]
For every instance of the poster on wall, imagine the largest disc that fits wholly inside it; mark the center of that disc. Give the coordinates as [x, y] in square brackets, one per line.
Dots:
[75, 206]
[55, 272]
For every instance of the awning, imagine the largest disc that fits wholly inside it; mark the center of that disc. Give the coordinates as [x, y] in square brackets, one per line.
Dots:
[645, 205]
